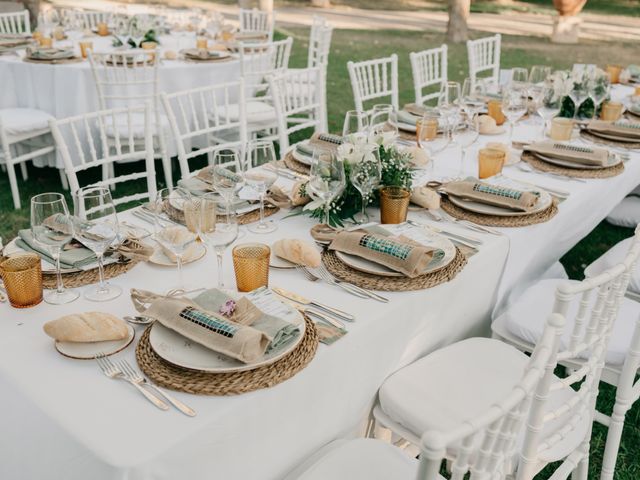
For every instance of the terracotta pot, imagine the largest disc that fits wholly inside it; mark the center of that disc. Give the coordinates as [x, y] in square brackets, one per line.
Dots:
[568, 7]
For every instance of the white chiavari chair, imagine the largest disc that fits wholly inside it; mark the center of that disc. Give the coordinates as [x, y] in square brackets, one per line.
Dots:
[373, 80]
[519, 326]
[130, 78]
[484, 55]
[100, 139]
[199, 124]
[15, 23]
[429, 69]
[90, 19]
[410, 401]
[257, 21]
[483, 445]
[257, 62]
[297, 101]
[627, 212]
[18, 125]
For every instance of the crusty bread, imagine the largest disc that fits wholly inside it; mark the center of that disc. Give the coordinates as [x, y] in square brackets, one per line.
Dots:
[86, 327]
[297, 251]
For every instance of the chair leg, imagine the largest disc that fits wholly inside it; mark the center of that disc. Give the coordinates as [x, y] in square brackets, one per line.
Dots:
[168, 172]
[63, 179]
[582, 470]
[13, 182]
[614, 437]
[112, 174]
[23, 170]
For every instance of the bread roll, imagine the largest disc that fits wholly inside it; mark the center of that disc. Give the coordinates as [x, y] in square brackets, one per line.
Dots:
[426, 198]
[297, 251]
[86, 327]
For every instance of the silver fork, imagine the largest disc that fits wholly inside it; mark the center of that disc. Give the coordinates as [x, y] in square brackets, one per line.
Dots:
[470, 225]
[314, 277]
[111, 371]
[325, 275]
[138, 379]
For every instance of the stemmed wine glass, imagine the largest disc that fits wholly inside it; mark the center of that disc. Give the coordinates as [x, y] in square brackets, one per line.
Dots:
[599, 86]
[514, 106]
[550, 105]
[262, 172]
[219, 231]
[138, 28]
[384, 121]
[472, 98]
[355, 122]
[519, 78]
[365, 176]
[122, 29]
[537, 79]
[465, 134]
[327, 179]
[578, 94]
[448, 105]
[49, 210]
[227, 175]
[174, 237]
[96, 227]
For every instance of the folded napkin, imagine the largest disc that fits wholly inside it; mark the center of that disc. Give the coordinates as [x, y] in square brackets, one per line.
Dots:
[305, 149]
[570, 153]
[397, 253]
[49, 53]
[496, 195]
[203, 54]
[277, 330]
[326, 141]
[417, 110]
[621, 128]
[426, 198]
[408, 118]
[75, 257]
[294, 198]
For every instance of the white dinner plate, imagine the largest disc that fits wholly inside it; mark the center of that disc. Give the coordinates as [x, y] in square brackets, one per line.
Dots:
[280, 263]
[617, 138]
[612, 161]
[435, 240]
[301, 158]
[543, 203]
[180, 351]
[159, 258]
[90, 350]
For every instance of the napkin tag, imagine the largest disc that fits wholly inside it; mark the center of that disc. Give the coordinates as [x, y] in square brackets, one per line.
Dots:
[267, 302]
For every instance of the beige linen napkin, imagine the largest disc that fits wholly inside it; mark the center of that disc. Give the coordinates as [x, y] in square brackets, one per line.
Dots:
[620, 128]
[570, 153]
[396, 253]
[492, 194]
[326, 141]
[280, 199]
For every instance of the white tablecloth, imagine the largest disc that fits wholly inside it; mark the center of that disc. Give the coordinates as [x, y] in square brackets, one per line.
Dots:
[69, 89]
[61, 419]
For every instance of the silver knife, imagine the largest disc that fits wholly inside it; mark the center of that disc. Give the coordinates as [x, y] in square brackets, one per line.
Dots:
[313, 313]
[305, 301]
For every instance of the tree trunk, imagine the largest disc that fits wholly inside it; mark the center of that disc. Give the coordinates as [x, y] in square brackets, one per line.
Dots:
[457, 30]
[34, 8]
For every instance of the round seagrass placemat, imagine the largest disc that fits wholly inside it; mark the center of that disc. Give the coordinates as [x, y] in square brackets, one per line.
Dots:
[293, 164]
[572, 172]
[250, 217]
[498, 221]
[87, 277]
[171, 376]
[605, 141]
[392, 284]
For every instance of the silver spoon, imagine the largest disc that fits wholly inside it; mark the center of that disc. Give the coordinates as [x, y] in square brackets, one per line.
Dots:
[139, 320]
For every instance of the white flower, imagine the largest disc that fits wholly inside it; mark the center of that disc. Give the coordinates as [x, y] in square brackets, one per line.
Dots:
[313, 205]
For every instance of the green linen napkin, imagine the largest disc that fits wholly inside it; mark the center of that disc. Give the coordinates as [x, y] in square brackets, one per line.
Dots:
[72, 258]
[407, 118]
[195, 186]
[304, 149]
[279, 331]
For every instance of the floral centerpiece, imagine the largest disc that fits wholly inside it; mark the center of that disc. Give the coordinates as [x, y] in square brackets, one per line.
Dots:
[593, 80]
[395, 171]
[141, 26]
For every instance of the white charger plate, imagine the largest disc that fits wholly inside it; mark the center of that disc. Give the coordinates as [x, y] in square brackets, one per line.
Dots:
[90, 350]
[367, 266]
[612, 161]
[159, 258]
[544, 202]
[180, 351]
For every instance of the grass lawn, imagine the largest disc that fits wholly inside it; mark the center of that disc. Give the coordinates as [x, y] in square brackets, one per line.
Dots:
[356, 45]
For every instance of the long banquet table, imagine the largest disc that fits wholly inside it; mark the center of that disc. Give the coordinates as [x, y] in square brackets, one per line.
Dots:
[62, 419]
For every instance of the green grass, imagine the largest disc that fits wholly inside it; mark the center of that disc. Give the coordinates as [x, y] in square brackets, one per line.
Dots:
[357, 45]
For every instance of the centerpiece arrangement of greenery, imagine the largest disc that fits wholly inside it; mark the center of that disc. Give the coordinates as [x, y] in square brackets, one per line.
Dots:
[395, 171]
[593, 80]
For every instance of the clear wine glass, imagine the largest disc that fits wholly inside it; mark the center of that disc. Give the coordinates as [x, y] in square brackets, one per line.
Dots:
[227, 177]
[355, 122]
[96, 227]
[550, 105]
[262, 172]
[327, 179]
[381, 118]
[519, 78]
[465, 134]
[219, 231]
[578, 94]
[138, 28]
[365, 176]
[171, 236]
[539, 74]
[122, 29]
[51, 227]
[514, 106]
[448, 105]
[599, 86]
[472, 98]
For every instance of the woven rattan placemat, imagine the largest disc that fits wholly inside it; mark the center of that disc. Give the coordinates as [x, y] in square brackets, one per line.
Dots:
[605, 141]
[392, 284]
[203, 383]
[293, 164]
[57, 61]
[88, 277]
[250, 217]
[572, 172]
[498, 221]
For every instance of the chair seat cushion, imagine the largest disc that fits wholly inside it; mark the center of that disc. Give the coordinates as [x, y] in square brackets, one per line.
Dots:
[136, 124]
[626, 213]
[460, 382]
[257, 112]
[361, 459]
[613, 257]
[18, 121]
[525, 319]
